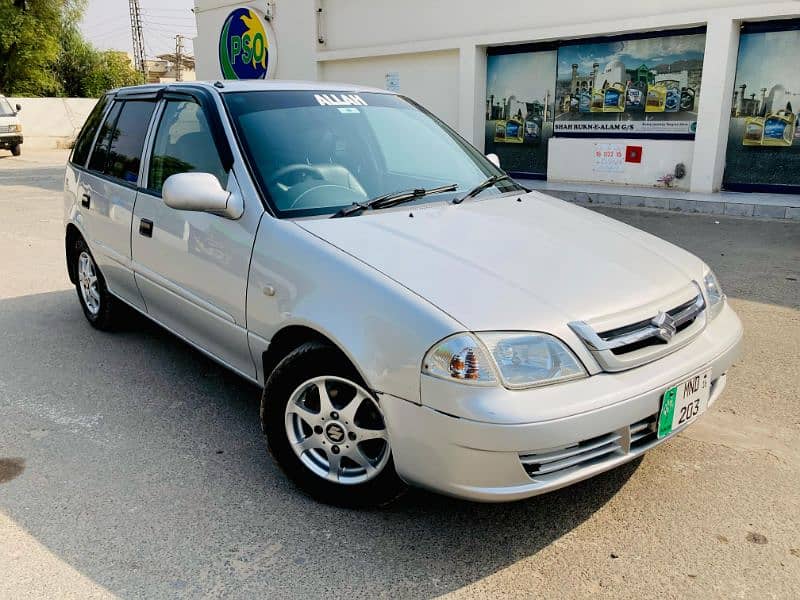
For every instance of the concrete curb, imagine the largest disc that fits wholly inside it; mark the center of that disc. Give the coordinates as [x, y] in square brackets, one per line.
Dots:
[709, 207]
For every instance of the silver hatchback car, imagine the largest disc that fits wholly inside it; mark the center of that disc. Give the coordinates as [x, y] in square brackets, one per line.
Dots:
[413, 315]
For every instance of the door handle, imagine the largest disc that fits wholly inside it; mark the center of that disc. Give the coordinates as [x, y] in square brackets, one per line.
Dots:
[86, 200]
[146, 228]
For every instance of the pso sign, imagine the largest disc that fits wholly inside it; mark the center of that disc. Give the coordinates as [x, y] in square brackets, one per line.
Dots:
[246, 46]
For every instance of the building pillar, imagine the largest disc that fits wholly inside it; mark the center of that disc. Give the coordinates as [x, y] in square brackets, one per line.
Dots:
[714, 112]
[472, 94]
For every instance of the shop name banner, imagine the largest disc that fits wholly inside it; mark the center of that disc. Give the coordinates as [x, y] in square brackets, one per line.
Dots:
[626, 127]
[642, 85]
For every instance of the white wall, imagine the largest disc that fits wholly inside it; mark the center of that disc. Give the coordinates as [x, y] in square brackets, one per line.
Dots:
[572, 160]
[360, 23]
[52, 122]
[431, 77]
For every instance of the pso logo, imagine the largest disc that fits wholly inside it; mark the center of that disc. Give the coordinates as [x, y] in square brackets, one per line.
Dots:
[244, 46]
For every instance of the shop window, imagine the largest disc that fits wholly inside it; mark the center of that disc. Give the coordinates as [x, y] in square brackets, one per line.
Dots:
[763, 151]
[520, 107]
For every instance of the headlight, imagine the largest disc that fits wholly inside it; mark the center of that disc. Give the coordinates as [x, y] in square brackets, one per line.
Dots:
[520, 359]
[18, 128]
[460, 357]
[714, 294]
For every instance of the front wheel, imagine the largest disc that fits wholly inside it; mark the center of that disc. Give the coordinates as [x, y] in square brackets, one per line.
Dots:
[16, 150]
[327, 431]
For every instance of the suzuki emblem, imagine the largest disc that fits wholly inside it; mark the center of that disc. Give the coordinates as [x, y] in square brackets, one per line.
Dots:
[665, 325]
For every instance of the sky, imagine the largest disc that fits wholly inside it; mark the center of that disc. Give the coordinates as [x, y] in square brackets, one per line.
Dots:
[632, 53]
[766, 59]
[107, 25]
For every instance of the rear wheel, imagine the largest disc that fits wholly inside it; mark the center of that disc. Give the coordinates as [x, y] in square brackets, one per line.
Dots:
[327, 431]
[16, 150]
[99, 306]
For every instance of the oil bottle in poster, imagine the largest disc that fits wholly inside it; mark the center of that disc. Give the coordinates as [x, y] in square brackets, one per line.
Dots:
[585, 101]
[672, 101]
[687, 99]
[500, 131]
[598, 99]
[779, 129]
[635, 97]
[656, 97]
[614, 98]
[753, 131]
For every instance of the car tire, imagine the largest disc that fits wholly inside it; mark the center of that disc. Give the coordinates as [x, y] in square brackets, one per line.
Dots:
[101, 309]
[304, 443]
[16, 150]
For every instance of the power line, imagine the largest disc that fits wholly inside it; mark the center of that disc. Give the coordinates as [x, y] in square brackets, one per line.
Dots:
[176, 10]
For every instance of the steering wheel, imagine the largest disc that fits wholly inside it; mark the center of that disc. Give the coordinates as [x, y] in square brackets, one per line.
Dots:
[293, 169]
[320, 196]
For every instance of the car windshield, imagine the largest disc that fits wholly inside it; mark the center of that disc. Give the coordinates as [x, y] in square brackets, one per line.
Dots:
[5, 108]
[317, 152]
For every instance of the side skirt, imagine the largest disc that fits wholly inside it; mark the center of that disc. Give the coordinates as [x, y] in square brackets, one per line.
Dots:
[200, 349]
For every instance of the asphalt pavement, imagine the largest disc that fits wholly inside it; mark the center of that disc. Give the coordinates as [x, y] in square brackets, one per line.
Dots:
[132, 466]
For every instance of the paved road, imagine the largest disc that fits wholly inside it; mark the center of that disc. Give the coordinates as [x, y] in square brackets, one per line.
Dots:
[134, 467]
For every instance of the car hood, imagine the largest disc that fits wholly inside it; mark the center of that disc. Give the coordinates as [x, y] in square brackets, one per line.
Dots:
[529, 262]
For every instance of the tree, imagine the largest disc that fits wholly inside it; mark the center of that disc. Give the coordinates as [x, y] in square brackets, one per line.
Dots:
[43, 53]
[29, 45]
[110, 69]
[76, 60]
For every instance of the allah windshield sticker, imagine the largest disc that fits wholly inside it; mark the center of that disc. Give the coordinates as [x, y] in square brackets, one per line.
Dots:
[340, 100]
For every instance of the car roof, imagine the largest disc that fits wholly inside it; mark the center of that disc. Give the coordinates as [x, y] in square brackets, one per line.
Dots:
[249, 85]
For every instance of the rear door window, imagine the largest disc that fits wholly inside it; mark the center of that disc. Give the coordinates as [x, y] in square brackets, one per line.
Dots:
[84, 143]
[118, 152]
[125, 152]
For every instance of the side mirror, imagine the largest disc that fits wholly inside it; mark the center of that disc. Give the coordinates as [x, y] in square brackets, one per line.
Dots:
[494, 159]
[201, 192]
[18, 107]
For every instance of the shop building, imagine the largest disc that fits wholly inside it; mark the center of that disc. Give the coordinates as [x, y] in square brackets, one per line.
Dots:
[693, 95]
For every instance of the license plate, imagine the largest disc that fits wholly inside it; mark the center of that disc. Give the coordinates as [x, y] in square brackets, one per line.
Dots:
[683, 403]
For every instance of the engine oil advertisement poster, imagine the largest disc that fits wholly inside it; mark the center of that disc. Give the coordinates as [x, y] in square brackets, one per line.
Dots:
[640, 86]
[764, 136]
[519, 108]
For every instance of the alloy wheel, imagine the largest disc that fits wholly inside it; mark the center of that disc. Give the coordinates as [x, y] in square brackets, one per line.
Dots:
[337, 430]
[87, 279]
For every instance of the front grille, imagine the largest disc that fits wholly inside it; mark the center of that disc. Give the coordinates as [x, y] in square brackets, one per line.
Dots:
[644, 340]
[582, 454]
[683, 316]
[557, 462]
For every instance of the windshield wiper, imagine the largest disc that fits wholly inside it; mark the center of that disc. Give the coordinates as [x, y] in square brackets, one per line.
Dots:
[392, 199]
[486, 183]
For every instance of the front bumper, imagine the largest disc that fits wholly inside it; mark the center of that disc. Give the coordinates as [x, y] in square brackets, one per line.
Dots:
[581, 435]
[10, 140]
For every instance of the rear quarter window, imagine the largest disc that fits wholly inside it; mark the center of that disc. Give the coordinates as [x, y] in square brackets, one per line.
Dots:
[84, 142]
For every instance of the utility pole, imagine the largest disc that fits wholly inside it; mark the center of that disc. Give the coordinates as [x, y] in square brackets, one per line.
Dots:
[179, 57]
[137, 36]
